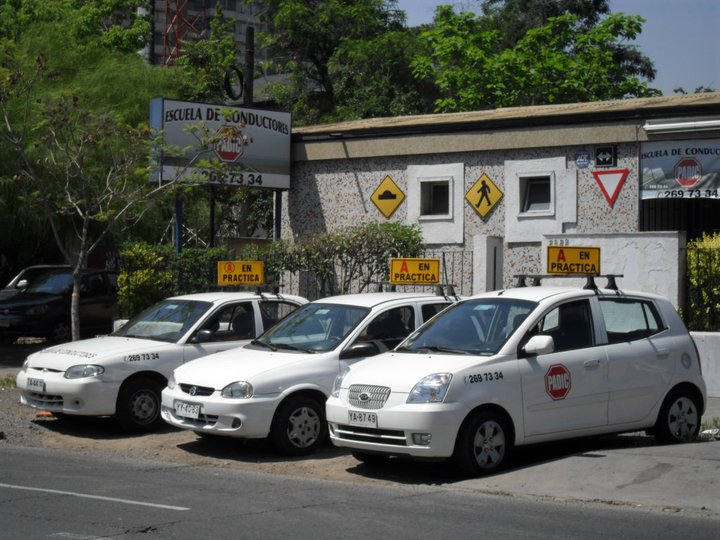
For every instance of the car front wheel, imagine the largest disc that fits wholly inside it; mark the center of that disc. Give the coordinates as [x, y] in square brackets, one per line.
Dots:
[298, 426]
[482, 444]
[679, 418]
[138, 405]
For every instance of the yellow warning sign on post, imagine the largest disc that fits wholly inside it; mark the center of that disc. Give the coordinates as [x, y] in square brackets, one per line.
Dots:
[249, 273]
[387, 197]
[484, 196]
[573, 260]
[415, 271]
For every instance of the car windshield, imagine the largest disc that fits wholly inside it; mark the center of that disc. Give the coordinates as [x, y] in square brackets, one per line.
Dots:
[59, 282]
[168, 320]
[313, 328]
[472, 327]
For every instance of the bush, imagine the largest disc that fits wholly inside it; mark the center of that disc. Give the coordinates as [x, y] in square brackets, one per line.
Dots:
[702, 311]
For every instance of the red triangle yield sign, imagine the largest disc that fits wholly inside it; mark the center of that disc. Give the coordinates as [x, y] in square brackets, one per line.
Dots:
[610, 182]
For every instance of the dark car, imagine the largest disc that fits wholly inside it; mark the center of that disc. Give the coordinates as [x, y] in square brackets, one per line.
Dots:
[43, 309]
[27, 277]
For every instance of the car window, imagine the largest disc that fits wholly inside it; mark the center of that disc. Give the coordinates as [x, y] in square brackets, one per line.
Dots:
[389, 328]
[627, 319]
[168, 320]
[430, 310]
[272, 311]
[570, 325]
[233, 322]
[92, 285]
[314, 327]
[472, 327]
[53, 283]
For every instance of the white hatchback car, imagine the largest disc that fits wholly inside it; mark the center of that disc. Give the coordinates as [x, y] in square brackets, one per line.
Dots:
[122, 374]
[522, 366]
[277, 385]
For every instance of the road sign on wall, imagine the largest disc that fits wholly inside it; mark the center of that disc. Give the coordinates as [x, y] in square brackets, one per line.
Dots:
[484, 196]
[387, 197]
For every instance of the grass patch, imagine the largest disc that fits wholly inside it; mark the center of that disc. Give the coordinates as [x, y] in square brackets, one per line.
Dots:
[710, 423]
[8, 381]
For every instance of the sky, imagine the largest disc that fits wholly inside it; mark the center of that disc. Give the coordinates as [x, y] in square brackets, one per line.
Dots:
[681, 37]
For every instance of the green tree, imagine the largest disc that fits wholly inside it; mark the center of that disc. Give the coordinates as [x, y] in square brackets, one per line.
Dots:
[555, 63]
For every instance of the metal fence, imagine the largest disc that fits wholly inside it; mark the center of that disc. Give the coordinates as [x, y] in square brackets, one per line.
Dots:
[456, 269]
[702, 293]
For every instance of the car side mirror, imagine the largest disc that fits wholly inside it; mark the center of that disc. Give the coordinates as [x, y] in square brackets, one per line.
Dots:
[22, 284]
[539, 345]
[359, 350]
[202, 336]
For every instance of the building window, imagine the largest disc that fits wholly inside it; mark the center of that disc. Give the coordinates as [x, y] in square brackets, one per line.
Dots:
[435, 197]
[537, 194]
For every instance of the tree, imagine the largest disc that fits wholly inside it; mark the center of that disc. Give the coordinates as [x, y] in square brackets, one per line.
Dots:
[554, 63]
[76, 149]
[340, 59]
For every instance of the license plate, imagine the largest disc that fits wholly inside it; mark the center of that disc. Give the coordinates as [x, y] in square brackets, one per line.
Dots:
[187, 410]
[362, 418]
[36, 385]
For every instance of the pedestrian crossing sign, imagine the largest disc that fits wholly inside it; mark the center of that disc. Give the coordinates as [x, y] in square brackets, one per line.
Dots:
[484, 196]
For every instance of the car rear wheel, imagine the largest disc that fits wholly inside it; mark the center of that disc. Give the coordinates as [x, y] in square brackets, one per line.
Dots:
[482, 444]
[61, 331]
[679, 418]
[298, 427]
[138, 405]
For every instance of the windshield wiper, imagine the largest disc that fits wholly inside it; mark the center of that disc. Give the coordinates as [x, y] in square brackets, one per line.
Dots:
[440, 348]
[268, 345]
[288, 347]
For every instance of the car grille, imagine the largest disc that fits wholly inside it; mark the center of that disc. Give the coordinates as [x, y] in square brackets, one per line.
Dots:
[199, 390]
[44, 400]
[371, 435]
[203, 421]
[373, 397]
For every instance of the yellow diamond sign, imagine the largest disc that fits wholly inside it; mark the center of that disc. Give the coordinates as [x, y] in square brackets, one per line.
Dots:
[387, 197]
[484, 196]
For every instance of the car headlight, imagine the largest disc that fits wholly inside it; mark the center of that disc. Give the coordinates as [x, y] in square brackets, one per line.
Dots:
[84, 370]
[37, 310]
[430, 389]
[237, 390]
[171, 381]
[337, 385]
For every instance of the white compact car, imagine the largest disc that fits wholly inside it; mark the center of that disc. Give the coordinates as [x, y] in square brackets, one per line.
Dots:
[277, 385]
[522, 366]
[122, 374]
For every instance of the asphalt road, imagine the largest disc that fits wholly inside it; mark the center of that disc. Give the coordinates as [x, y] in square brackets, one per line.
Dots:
[53, 494]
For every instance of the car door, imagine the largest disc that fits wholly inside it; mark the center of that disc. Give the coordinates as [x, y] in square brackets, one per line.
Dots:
[566, 389]
[640, 366]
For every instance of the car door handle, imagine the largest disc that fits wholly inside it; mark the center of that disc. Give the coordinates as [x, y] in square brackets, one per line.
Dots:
[592, 364]
[662, 352]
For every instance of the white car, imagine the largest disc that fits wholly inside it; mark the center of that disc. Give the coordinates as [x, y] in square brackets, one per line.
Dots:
[521, 366]
[122, 374]
[277, 385]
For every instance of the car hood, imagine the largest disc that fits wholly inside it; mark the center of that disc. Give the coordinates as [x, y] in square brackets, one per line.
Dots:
[402, 371]
[241, 364]
[100, 350]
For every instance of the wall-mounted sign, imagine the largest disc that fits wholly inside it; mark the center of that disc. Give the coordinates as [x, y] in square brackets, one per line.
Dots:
[240, 273]
[387, 197]
[484, 196]
[680, 169]
[582, 159]
[415, 271]
[253, 144]
[606, 156]
[610, 183]
[573, 260]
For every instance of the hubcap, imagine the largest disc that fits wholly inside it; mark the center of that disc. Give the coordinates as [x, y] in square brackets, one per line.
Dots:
[303, 427]
[683, 419]
[144, 407]
[489, 444]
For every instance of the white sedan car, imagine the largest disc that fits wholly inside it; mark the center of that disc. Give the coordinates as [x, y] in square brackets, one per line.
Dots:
[277, 385]
[122, 374]
[522, 366]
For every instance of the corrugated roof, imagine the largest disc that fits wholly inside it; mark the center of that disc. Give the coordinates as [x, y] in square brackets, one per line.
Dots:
[612, 110]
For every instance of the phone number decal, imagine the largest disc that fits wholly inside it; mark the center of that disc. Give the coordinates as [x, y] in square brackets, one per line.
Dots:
[142, 357]
[687, 193]
[483, 377]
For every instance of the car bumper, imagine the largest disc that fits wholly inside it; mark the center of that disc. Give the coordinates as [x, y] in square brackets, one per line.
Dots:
[53, 392]
[417, 430]
[242, 418]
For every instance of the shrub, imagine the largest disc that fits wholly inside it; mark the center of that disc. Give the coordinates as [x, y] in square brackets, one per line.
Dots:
[702, 311]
